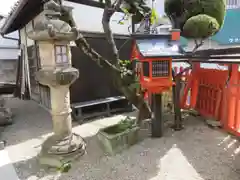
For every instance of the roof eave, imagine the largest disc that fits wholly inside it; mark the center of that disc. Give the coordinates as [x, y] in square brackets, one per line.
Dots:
[8, 26]
[9, 20]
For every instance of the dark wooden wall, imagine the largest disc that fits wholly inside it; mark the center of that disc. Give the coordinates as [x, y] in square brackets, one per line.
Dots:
[95, 82]
[39, 93]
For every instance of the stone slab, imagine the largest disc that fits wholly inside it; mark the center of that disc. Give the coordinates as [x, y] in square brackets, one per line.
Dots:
[6, 168]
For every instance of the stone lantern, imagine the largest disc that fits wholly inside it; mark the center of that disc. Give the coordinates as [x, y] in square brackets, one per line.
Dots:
[53, 37]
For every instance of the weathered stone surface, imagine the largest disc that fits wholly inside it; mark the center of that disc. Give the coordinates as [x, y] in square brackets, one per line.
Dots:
[8, 68]
[57, 151]
[193, 112]
[51, 27]
[2, 101]
[116, 143]
[145, 129]
[213, 123]
[57, 76]
[50, 31]
[5, 114]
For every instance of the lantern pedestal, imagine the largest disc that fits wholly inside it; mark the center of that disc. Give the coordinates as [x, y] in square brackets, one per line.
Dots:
[63, 146]
[57, 151]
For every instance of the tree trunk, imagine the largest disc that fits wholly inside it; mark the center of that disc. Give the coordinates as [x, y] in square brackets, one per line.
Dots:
[136, 99]
[119, 82]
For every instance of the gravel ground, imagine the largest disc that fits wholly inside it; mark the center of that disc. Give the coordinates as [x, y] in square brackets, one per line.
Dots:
[195, 153]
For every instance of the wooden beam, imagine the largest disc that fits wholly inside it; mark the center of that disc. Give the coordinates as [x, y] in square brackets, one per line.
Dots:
[208, 59]
[216, 61]
[92, 3]
[222, 51]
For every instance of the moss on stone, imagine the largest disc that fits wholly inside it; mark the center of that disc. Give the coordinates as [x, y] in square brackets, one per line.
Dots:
[122, 126]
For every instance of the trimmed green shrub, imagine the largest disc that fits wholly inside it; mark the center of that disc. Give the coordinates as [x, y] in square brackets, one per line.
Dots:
[196, 18]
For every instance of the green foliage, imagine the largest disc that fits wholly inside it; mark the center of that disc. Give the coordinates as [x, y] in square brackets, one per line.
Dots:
[137, 8]
[128, 74]
[200, 26]
[124, 62]
[154, 16]
[122, 126]
[190, 15]
[65, 167]
[126, 16]
[126, 71]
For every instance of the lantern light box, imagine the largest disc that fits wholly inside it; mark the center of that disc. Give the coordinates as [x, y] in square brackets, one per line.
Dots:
[153, 54]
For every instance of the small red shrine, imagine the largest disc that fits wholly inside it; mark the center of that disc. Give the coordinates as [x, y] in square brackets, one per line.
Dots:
[153, 54]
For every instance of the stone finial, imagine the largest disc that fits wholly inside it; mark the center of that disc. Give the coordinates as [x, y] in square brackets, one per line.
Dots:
[52, 5]
[50, 27]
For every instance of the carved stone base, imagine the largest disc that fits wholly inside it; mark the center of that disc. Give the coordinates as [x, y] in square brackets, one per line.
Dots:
[56, 152]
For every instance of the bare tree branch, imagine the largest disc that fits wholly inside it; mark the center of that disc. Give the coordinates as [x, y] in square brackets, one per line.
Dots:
[86, 48]
[107, 14]
[197, 45]
[131, 95]
[81, 42]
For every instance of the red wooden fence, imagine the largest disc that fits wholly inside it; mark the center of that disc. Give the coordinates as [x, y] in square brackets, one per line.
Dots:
[211, 97]
[213, 94]
[231, 104]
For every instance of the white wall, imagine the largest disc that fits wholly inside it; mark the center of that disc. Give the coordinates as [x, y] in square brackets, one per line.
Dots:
[8, 57]
[89, 19]
[8, 54]
[8, 47]
[4, 42]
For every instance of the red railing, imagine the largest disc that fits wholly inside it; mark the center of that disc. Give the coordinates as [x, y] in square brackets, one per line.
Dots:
[210, 86]
[213, 94]
[213, 97]
[231, 103]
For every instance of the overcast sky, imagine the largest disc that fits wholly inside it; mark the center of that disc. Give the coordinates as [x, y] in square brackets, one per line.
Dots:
[6, 6]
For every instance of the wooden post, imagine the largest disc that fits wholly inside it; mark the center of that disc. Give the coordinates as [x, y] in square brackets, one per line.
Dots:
[176, 90]
[195, 85]
[232, 98]
[177, 109]
[157, 119]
